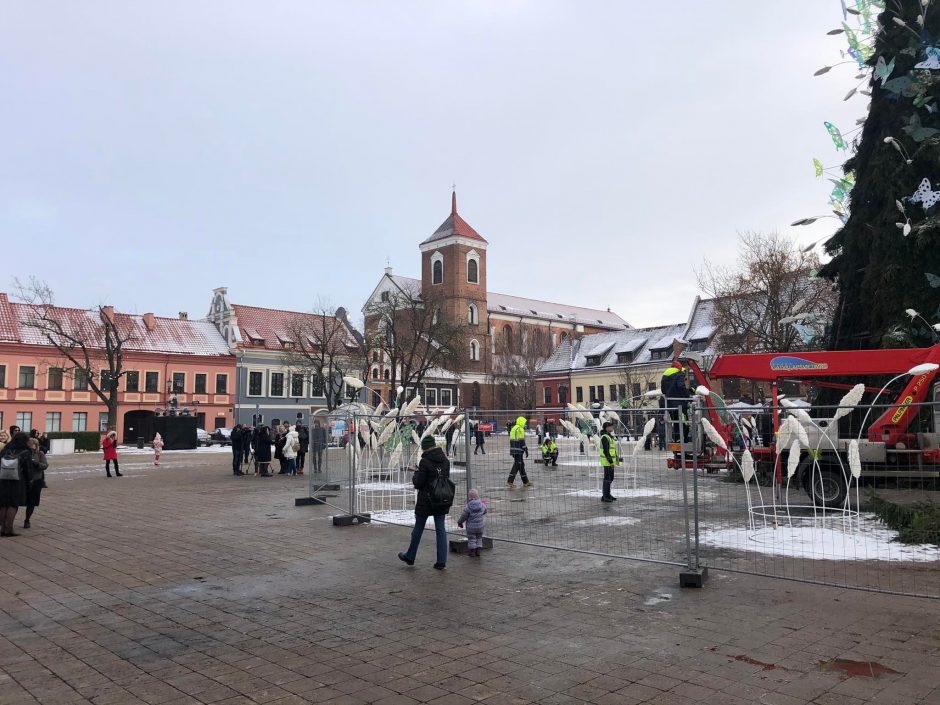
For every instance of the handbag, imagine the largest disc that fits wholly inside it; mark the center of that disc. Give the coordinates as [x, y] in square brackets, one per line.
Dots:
[9, 467]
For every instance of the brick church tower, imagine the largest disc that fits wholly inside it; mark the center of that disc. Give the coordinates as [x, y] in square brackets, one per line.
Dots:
[453, 266]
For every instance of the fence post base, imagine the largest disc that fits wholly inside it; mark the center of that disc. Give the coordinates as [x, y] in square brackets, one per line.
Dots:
[307, 501]
[352, 519]
[460, 545]
[693, 577]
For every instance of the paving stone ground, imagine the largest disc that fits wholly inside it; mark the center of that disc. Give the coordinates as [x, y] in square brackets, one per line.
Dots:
[183, 585]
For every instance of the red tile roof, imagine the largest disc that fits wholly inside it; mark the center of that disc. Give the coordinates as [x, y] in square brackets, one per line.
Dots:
[171, 336]
[274, 326]
[454, 225]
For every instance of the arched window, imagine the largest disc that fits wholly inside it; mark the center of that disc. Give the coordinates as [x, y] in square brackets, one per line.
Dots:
[474, 350]
[473, 316]
[507, 339]
[475, 394]
[375, 373]
[437, 272]
[473, 274]
[388, 374]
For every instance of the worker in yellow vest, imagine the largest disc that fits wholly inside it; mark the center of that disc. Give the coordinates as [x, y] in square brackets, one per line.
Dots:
[610, 459]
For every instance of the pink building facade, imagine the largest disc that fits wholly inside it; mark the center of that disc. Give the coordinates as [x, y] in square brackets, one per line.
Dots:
[164, 358]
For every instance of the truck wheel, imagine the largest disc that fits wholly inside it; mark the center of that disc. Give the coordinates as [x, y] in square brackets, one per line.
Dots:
[827, 487]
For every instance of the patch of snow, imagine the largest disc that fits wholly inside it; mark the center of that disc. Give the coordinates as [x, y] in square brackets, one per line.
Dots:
[867, 541]
[613, 520]
[407, 518]
[390, 486]
[671, 495]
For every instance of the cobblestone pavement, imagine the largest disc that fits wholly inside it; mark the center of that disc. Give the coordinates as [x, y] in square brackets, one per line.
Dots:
[182, 585]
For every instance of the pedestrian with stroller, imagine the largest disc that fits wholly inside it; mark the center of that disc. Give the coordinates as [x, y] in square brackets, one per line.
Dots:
[433, 465]
[518, 451]
[610, 459]
[157, 448]
[473, 516]
[109, 446]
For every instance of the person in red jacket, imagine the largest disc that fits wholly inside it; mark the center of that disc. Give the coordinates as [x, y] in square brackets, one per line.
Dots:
[109, 445]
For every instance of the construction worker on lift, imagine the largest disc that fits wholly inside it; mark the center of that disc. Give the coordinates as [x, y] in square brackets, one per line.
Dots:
[676, 393]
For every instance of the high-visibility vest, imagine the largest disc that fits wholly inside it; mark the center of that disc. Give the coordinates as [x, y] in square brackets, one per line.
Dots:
[613, 450]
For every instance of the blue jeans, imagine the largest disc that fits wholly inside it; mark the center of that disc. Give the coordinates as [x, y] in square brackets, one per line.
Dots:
[236, 459]
[291, 466]
[440, 532]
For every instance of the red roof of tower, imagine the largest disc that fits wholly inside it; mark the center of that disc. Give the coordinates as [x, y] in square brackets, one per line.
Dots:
[454, 226]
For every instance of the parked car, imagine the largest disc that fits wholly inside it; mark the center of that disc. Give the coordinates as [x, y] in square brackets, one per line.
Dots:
[203, 438]
[222, 436]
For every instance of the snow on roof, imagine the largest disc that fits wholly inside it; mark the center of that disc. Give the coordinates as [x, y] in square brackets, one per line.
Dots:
[172, 336]
[629, 346]
[633, 340]
[9, 332]
[273, 326]
[454, 225]
[702, 321]
[600, 349]
[560, 359]
[534, 308]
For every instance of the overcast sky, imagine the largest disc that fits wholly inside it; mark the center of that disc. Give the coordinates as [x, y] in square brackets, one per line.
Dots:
[154, 150]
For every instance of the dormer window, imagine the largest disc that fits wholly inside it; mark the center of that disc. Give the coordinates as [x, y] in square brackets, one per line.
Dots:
[384, 296]
[593, 360]
[625, 358]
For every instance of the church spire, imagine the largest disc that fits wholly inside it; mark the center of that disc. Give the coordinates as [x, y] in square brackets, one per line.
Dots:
[453, 202]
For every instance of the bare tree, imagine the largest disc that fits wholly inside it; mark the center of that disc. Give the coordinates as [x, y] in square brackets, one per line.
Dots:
[324, 349]
[92, 342]
[770, 301]
[415, 335]
[519, 355]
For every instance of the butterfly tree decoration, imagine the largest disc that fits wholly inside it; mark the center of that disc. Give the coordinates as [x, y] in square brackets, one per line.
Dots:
[835, 135]
[925, 195]
[932, 61]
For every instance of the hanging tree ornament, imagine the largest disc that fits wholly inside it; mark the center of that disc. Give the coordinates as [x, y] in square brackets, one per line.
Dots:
[924, 195]
[932, 60]
[835, 135]
[817, 165]
[883, 70]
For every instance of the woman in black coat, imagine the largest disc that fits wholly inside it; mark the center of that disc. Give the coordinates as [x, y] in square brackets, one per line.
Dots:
[433, 461]
[13, 492]
[263, 451]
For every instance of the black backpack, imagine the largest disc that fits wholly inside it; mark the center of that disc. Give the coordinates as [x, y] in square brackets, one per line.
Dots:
[441, 491]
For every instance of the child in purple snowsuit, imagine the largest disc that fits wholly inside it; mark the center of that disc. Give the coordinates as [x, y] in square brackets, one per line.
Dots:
[472, 516]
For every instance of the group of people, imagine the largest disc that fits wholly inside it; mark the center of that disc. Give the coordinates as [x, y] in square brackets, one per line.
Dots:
[22, 476]
[291, 446]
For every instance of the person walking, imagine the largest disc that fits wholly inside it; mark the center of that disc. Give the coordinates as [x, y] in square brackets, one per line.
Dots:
[157, 448]
[473, 516]
[263, 452]
[14, 478]
[237, 446]
[318, 441]
[610, 459]
[289, 450]
[433, 464]
[538, 433]
[303, 434]
[109, 446]
[449, 439]
[36, 478]
[479, 438]
[518, 450]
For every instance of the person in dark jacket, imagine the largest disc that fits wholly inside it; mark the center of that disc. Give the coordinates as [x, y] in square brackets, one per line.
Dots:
[449, 439]
[236, 439]
[263, 451]
[36, 478]
[479, 439]
[303, 436]
[318, 442]
[13, 492]
[677, 395]
[433, 462]
[44, 442]
[248, 434]
[279, 440]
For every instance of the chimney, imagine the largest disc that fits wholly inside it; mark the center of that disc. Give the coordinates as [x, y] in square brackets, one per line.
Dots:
[184, 316]
[150, 322]
[108, 312]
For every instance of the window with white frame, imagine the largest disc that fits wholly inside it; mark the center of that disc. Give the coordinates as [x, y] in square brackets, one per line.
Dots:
[79, 421]
[102, 422]
[53, 421]
[437, 268]
[430, 396]
[27, 378]
[255, 384]
[474, 350]
[473, 267]
[296, 385]
[24, 419]
[547, 395]
[473, 315]
[446, 397]
[277, 384]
